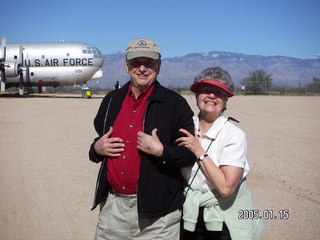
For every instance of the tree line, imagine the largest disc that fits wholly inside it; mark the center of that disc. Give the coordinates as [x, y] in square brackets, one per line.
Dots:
[259, 82]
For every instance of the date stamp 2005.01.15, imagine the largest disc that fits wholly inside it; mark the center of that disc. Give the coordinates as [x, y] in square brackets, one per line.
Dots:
[282, 214]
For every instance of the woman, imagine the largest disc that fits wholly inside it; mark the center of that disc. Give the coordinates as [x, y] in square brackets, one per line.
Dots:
[219, 189]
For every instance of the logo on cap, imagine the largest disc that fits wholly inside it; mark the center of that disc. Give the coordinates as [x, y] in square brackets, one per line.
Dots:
[142, 43]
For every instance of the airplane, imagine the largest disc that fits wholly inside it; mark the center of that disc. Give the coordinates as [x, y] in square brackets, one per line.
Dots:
[41, 64]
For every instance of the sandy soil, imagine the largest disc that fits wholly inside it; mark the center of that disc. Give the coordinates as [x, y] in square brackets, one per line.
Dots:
[47, 182]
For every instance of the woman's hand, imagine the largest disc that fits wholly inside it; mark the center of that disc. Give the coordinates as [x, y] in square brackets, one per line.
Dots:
[190, 142]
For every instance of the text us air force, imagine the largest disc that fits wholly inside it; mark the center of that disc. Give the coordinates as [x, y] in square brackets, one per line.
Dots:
[55, 62]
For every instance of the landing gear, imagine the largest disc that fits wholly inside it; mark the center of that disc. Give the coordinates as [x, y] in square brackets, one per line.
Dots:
[86, 93]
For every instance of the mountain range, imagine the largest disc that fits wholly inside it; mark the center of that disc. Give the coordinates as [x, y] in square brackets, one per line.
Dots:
[180, 71]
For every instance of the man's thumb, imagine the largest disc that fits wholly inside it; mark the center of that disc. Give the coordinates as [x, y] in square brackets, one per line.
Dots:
[108, 134]
[154, 132]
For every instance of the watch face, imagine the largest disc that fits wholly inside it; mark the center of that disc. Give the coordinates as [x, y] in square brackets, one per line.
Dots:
[203, 157]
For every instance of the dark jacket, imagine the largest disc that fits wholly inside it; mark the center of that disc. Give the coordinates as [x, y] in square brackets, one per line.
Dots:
[160, 181]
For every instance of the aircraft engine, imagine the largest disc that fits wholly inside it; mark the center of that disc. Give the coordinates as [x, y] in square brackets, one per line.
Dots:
[12, 69]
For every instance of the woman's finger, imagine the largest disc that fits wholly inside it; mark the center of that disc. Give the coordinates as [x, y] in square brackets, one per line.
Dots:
[185, 132]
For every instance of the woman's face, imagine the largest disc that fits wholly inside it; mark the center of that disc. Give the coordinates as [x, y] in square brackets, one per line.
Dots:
[211, 99]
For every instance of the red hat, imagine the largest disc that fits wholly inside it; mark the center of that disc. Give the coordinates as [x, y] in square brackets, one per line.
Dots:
[214, 82]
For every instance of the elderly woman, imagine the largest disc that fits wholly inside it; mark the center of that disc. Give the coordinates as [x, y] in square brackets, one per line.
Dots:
[219, 190]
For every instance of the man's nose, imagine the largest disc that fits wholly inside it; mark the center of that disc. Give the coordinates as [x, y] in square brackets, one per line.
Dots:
[142, 68]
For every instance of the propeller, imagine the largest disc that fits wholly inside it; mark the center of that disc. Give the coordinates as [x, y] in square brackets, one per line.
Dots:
[12, 68]
[22, 76]
[2, 64]
[21, 88]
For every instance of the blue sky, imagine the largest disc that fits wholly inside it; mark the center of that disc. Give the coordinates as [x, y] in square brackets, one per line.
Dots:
[270, 27]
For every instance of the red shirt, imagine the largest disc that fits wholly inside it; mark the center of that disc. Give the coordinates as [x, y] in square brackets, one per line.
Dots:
[123, 171]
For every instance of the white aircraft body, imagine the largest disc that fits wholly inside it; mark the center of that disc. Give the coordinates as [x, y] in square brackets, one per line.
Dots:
[48, 64]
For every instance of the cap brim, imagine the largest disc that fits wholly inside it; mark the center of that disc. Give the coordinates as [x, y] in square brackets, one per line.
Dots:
[136, 54]
[194, 88]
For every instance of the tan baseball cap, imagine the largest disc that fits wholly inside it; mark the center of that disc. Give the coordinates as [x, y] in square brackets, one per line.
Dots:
[143, 47]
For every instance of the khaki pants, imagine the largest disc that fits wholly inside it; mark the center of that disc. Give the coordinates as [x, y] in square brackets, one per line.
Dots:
[119, 220]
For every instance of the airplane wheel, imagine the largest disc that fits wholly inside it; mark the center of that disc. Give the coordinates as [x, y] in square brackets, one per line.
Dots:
[86, 94]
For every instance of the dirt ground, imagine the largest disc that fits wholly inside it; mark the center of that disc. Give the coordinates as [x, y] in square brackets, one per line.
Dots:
[47, 182]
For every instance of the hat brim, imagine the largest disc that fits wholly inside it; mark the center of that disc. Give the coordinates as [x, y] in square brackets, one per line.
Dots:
[194, 88]
[148, 54]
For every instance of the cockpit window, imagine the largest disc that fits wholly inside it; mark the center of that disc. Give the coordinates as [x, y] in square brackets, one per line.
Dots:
[92, 50]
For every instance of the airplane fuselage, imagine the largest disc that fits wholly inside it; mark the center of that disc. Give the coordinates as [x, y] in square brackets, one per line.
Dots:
[53, 63]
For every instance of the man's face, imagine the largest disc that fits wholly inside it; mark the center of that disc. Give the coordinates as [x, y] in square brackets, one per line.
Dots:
[143, 72]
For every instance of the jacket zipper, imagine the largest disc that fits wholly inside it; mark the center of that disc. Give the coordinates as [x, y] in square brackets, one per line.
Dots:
[104, 159]
[143, 125]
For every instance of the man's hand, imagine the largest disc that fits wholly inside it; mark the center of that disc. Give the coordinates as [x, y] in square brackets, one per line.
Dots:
[150, 143]
[109, 146]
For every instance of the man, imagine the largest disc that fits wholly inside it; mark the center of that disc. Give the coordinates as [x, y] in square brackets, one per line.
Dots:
[140, 185]
[117, 85]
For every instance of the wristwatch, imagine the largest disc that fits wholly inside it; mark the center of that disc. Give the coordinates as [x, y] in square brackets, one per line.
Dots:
[202, 157]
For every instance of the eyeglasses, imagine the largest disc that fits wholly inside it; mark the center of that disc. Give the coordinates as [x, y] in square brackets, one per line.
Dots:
[138, 63]
[216, 91]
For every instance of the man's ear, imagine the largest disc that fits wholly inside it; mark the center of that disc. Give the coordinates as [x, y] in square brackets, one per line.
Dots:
[159, 65]
[127, 68]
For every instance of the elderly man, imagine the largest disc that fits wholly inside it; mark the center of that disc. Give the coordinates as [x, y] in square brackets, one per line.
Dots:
[140, 185]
